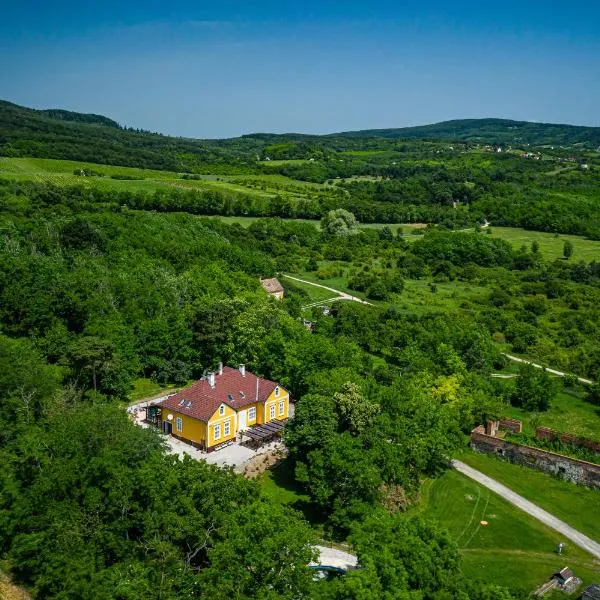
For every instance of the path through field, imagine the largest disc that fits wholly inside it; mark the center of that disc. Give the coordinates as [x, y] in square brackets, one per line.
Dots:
[340, 295]
[530, 508]
[553, 371]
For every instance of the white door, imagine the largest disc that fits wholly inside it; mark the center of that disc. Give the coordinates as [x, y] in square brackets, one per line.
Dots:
[241, 420]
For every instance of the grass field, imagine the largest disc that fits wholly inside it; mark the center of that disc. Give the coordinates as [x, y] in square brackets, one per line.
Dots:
[576, 505]
[60, 172]
[513, 550]
[568, 413]
[315, 294]
[551, 245]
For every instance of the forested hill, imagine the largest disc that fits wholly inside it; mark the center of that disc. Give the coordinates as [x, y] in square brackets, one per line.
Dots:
[25, 132]
[491, 131]
[62, 134]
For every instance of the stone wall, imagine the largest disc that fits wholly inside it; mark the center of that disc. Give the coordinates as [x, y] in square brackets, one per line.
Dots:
[545, 433]
[570, 469]
[512, 425]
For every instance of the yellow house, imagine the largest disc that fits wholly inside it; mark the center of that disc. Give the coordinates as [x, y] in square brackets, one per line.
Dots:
[219, 406]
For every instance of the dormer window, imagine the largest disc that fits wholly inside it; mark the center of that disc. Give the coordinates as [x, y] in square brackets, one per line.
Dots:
[230, 397]
[189, 404]
[222, 410]
[181, 402]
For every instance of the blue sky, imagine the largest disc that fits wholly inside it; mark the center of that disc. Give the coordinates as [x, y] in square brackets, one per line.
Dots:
[222, 69]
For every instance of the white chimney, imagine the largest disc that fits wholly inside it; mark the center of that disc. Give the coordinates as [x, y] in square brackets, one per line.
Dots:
[220, 368]
[243, 370]
[211, 379]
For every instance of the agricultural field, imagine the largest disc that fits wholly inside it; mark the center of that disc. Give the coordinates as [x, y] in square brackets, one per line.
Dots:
[513, 549]
[61, 173]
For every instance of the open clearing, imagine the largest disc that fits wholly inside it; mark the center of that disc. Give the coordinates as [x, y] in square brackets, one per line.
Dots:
[576, 505]
[551, 245]
[513, 550]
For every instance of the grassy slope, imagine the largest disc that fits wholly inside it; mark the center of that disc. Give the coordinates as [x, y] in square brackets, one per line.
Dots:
[576, 505]
[568, 412]
[60, 172]
[513, 550]
[551, 245]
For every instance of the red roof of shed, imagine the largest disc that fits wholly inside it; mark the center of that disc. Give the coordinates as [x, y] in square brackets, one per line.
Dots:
[200, 400]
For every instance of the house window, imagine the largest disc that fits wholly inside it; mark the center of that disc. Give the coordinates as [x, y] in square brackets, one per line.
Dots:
[222, 409]
[281, 408]
[179, 424]
[272, 411]
[226, 428]
[252, 413]
[217, 433]
[277, 391]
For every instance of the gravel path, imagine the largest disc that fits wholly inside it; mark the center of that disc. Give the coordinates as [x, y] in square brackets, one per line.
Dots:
[535, 511]
[553, 371]
[341, 295]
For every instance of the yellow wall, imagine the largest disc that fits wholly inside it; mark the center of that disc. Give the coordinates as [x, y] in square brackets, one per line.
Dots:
[274, 400]
[259, 407]
[220, 420]
[193, 429]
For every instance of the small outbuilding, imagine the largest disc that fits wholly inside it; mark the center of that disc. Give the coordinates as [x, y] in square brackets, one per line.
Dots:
[272, 287]
[591, 592]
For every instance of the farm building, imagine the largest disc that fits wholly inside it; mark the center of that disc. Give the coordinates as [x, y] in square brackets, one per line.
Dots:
[272, 287]
[216, 408]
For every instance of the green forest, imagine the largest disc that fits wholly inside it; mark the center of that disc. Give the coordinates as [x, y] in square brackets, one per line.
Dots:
[121, 263]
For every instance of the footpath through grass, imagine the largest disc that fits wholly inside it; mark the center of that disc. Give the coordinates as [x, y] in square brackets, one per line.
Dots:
[577, 506]
[513, 549]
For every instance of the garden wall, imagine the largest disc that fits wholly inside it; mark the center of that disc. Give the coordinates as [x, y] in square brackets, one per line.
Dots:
[570, 469]
[545, 433]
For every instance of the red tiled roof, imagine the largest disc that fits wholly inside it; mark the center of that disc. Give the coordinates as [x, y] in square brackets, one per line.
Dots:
[271, 285]
[231, 389]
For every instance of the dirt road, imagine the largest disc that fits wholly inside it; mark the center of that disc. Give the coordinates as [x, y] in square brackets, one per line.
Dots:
[535, 511]
[341, 295]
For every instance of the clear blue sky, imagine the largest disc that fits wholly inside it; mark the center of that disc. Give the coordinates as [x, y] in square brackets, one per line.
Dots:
[221, 69]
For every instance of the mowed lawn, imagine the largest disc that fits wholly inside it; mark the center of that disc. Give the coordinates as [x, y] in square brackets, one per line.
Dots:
[577, 506]
[513, 549]
[551, 245]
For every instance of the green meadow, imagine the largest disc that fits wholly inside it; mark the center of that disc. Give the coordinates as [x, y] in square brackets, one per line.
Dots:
[576, 505]
[513, 549]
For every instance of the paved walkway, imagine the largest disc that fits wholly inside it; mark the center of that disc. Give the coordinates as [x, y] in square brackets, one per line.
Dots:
[341, 295]
[553, 371]
[535, 511]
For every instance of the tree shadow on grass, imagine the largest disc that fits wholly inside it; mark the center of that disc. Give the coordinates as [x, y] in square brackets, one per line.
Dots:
[282, 475]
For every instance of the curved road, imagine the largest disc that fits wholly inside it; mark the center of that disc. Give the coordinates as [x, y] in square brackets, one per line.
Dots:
[530, 508]
[553, 371]
[341, 295]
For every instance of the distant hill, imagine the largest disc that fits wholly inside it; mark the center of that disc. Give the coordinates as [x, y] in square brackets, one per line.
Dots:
[67, 115]
[62, 134]
[68, 135]
[490, 131]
